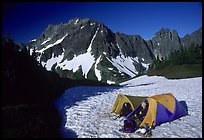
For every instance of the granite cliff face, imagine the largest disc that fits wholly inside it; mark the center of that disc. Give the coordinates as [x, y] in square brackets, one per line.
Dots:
[87, 49]
[164, 42]
[195, 37]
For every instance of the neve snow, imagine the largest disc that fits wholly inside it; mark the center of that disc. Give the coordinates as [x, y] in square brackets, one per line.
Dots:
[87, 110]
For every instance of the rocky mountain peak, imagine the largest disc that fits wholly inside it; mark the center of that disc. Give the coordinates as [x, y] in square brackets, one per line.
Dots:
[164, 41]
[82, 21]
[166, 33]
[195, 37]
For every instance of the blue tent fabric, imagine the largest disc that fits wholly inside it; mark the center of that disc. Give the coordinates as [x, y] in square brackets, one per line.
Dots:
[163, 114]
[179, 111]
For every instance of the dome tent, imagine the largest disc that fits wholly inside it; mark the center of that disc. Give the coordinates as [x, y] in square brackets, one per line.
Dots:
[162, 108]
[121, 98]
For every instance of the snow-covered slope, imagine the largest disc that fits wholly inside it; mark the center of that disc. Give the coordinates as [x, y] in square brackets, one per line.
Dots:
[87, 110]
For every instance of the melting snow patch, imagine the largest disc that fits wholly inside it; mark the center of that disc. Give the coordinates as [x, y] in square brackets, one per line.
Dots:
[145, 65]
[157, 43]
[124, 64]
[85, 60]
[97, 72]
[110, 82]
[89, 49]
[31, 51]
[82, 27]
[33, 40]
[43, 64]
[38, 58]
[50, 62]
[51, 45]
[76, 21]
[110, 68]
[45, 41]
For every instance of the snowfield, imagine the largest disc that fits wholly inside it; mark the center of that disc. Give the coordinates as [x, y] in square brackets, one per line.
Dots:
[87, 110]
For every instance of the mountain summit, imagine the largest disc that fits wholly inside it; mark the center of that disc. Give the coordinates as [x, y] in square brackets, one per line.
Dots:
[87, 49]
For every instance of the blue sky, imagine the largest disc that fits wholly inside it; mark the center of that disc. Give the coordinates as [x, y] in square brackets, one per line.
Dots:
[27, 20]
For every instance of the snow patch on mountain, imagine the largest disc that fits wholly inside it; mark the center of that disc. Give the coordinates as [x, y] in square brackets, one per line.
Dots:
[41, 51]
[110, 82]
[45, 41]
[50, 62]
[145, 65]
[124, 64]
[89, 49]
[51, 45]
[31, 51]
[97, 72]
[92, 24]
[76, 21]
[85, 60]
[33, 40]
[110, 68]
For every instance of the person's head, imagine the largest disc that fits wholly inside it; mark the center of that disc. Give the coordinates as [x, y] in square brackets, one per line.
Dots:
[144, 105]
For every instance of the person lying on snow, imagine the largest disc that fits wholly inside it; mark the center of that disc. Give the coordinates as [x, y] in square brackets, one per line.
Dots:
[131, 124]
[140, 113]
[139, 117]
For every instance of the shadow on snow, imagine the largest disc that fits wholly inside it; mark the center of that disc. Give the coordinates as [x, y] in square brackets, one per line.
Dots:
[73, 95]
[68, 133]
[147, 84]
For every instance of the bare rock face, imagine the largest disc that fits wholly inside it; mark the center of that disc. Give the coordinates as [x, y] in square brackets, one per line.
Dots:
[164, 42]
[195, 37]
[134, 46]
